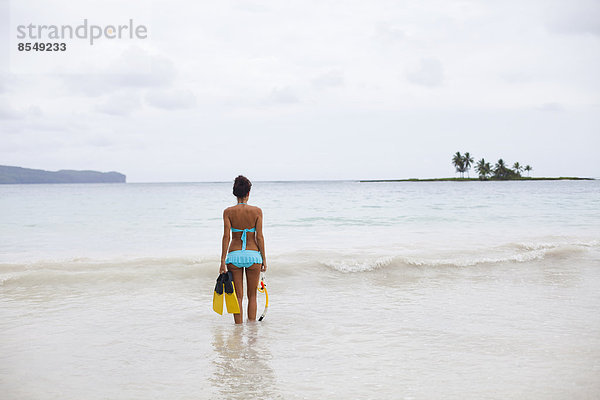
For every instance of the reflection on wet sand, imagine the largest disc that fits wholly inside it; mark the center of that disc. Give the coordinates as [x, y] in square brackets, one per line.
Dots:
[242, 364]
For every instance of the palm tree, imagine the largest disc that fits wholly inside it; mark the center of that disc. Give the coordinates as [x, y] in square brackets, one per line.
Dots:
[483, 169]
[467, 161]
[459, 163]
[517, 168]
[500, 170]
[528, 168]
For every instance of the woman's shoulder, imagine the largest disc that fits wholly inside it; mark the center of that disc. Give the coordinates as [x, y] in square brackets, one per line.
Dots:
[228, 210]
[253, 208]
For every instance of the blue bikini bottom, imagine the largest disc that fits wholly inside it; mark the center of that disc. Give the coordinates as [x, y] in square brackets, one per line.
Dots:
[243, 258]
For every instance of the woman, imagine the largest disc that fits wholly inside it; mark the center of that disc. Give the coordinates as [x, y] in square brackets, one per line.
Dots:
[243, 246]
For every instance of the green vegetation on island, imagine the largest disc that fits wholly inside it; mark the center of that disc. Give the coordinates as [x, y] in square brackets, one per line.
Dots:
[15, 175]
[559, 178]
[499, 172]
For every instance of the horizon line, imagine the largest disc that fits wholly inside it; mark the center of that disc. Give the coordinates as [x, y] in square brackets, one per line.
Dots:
[343, 180]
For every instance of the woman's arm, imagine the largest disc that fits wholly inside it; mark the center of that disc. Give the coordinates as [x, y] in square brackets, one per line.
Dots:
[260, 239]
[225, 241]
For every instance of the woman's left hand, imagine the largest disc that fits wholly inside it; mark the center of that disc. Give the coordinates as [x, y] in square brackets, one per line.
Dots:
[222, 268]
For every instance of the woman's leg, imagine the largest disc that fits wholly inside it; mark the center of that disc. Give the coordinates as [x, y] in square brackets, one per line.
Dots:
[252, 278]
[238, 282]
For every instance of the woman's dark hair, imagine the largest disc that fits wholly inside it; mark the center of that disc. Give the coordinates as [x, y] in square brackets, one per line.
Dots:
[241, 186]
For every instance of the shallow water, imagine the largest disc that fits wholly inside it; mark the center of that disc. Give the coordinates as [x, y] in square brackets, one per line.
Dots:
[385, 291]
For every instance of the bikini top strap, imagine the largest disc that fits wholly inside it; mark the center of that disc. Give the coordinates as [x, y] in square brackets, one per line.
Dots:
[244, 231]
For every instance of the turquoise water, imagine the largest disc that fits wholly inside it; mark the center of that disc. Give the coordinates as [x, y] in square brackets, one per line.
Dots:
[61, 222]
[395, 290]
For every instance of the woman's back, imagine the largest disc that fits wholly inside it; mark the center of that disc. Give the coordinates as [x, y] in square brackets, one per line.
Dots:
[242, 216]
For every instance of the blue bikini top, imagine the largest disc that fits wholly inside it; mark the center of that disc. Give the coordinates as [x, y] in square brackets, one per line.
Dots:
[244, 231]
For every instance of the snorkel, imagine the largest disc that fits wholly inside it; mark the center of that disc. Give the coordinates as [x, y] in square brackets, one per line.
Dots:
[262, 288]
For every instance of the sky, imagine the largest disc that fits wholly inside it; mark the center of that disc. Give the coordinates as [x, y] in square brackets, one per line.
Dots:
[304, 90]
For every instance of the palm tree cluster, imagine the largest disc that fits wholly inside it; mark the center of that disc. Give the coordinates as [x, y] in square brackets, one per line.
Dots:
[462, 164]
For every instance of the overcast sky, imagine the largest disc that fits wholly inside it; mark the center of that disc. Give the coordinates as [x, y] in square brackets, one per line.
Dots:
[289, 90]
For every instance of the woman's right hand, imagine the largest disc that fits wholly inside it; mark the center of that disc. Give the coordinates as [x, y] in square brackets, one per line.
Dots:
[263, 267]
[222, 268]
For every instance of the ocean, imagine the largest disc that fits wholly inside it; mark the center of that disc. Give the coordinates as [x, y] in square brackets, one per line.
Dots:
[404, 290]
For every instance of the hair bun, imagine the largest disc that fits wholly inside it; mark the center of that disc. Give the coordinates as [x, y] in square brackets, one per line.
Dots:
[241, 186]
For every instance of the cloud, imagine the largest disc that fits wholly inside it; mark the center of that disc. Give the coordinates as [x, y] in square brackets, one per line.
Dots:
[429, 73]
[283, 95]
[3, 83]
[9, 112]
[551, 107]
[134, 68]
[329, 79]
[577, 17]
[171, 99]
[99, 140]
[389, 32]
[516, 77]
[120, 104]
[250, 7]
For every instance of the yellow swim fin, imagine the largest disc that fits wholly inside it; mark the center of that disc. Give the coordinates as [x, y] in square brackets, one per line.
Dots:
[218, 295]
[231, 301]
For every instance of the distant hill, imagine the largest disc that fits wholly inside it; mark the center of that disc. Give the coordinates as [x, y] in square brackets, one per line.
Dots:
[26, 175]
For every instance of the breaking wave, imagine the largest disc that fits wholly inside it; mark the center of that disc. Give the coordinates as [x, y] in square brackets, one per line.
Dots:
[148, 269]
[513, 253]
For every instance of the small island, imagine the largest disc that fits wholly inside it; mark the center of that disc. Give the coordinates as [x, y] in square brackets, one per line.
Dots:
[18, 175]
[499, 172]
